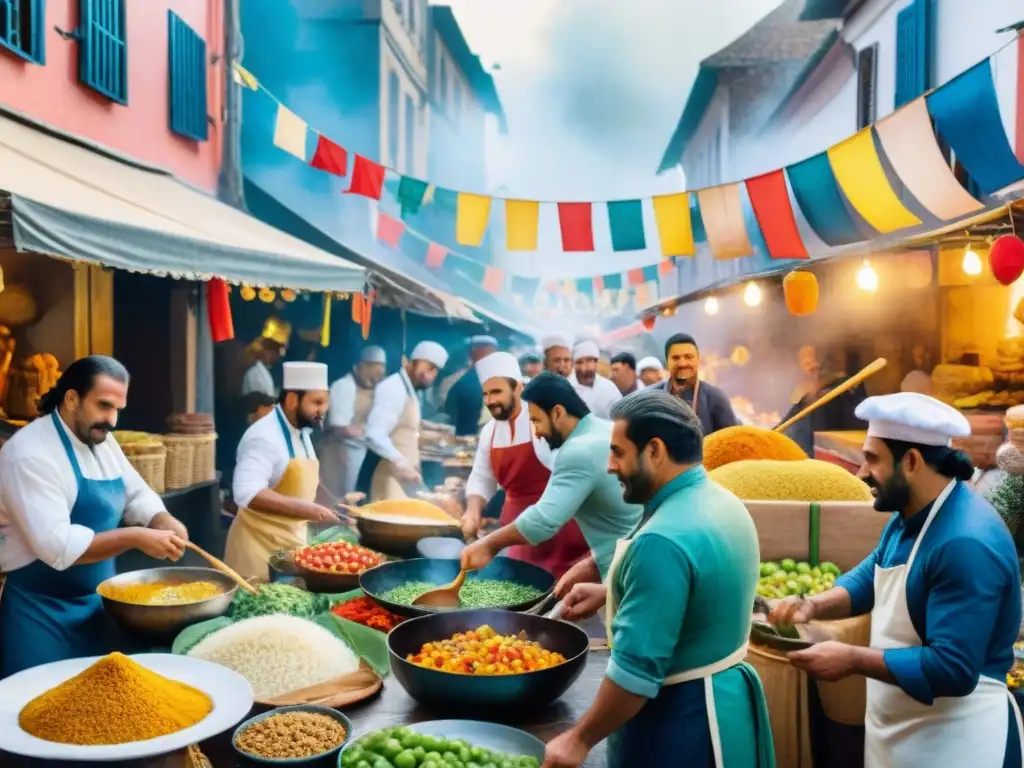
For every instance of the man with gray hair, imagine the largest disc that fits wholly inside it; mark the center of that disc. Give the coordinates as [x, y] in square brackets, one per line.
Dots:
[344, 445]
[677, 602]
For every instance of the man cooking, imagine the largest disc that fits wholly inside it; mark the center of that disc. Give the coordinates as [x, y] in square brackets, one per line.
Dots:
[596, 391]
[530, 365]
[344, 446]
[464, 403]
[557, 350]
[581, 510]
[66, 490]
[710, 403]
[650, 371]
[624, 374]
[277, 474]
[677, 599]
[943, 591]
[392, 428]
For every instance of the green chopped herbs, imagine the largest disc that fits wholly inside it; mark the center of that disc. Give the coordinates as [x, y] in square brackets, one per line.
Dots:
[475, 593]
[273, 598]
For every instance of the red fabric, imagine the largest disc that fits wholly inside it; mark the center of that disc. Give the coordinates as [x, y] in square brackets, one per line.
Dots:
[577, 229]
[330, 157]
[357, 308]
[389, 229]
[635, 277]
[770, 200]
[218, 308]
[494, 280]
[436, 255]
[665, 266]
[518, 470]
[367, 314]
[367, 178]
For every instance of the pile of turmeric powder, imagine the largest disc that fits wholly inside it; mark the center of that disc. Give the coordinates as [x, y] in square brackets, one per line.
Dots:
[745, 442]
[114, 701]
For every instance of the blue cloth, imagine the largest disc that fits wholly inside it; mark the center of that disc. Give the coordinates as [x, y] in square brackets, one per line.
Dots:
[714, 409]
[48, 615]
[963, 594]
[966, 115]
[817, 193]
[465, 403]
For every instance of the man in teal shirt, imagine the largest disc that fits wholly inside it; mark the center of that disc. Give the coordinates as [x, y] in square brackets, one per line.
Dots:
[579, 488]
[678, 600]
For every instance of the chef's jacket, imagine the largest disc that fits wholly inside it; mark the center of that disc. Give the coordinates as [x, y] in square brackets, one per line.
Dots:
[263, 456]
[38, 490]
[258, 379]
[389, 399]
[343, 408]
[503, 434]
[599, 398]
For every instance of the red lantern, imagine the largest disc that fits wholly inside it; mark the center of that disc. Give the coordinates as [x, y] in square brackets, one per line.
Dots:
[1006, 258]
[648, 322]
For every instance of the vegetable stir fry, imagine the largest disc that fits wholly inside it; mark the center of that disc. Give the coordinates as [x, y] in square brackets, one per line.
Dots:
[484, 652]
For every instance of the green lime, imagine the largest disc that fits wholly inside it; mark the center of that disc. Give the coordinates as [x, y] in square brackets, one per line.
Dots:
[803, 567]
[788, 564]
[767, 569]
[381, 762]
[431, 764]
[404, 759]
[391, 748]
[806, 579]
[363, 764]
[435, 756]
[792, 587]
[830, 567]
[449, 757]
[816, 573]
[421, 753]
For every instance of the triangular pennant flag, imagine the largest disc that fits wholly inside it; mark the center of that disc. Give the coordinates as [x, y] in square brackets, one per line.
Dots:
[585, 285]
[521, 219]
[389, 229]
[574, 219]
[635, 276]
[665, 266]
[626, 219]
[290, 132]
[494, 280]
[244, 77]
[471, 220]
[330, 157]
[672, 217]
[412, 195]
[650, 273]
[613, 282]
[436, 255]
[598, 285]
[367, 178]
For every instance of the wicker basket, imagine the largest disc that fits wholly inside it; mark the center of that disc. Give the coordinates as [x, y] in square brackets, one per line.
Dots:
[149, 458]
[181, 459]
[204, 469]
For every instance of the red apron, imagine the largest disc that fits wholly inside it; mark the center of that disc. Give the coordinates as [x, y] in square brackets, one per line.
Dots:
[520, 473]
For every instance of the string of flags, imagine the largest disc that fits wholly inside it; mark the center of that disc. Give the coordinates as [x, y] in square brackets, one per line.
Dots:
[843, 194]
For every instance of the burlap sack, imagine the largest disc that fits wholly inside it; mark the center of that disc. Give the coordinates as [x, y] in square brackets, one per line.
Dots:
[845, 701]
[785, 689]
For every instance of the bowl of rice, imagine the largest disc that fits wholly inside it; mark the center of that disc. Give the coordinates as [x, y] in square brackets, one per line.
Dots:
[303, 733]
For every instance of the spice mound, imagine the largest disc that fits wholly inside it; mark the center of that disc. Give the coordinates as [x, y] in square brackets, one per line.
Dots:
[114, 701]
[475, 593]
[161, 592]
[484, 652]
[292, 734]
[744, 442]
[363, 610]
[807, 480]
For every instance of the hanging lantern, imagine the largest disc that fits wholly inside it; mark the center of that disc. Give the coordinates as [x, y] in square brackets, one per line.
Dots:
[800, 290]
[1006, 258]
[288, 295]
[740, 356]
[266, 295]
[248, 293]
[648, 322]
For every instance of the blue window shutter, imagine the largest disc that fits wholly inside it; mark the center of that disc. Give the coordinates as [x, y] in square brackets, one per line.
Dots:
[186, 68]
[103, 48]
[393, 107]
[914, 25]
[22, 24]
[925, 12]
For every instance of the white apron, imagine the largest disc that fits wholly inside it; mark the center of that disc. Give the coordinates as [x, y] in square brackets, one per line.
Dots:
[901, 732]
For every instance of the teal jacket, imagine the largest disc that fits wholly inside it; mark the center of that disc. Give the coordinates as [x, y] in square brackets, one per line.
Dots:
[581, 488]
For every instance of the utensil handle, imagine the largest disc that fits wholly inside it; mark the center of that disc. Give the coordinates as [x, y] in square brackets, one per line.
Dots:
[223, 568]
[828, 397]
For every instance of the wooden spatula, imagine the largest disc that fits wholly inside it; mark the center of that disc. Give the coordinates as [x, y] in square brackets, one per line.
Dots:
[224, 568]
[443, 597]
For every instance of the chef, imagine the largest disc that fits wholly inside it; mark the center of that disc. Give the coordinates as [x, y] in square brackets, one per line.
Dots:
[69, 504]
[530, 365]
[943, 591]
[266, 351]
[710, 403]
[580, 511]
[597, 392]
[624, 374]
[392, 428]
[464, 403]
[277, 474]
[557, 350]
[344, 446]
[677, 602]
[650, 371]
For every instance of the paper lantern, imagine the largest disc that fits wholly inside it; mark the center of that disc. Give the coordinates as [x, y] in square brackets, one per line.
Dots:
[800, 290]
[1006, 258]
[648, 322]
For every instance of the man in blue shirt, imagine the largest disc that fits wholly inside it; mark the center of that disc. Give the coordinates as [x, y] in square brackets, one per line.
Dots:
[943, 591]
[710, 403]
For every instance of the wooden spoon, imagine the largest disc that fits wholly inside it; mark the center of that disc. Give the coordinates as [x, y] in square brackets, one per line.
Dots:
[224, 568]
[828, 397]
[443, 597]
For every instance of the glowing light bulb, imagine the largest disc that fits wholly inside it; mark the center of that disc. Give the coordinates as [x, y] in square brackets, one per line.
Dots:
[711, 306]
[971, 264]
[752, 295]
[867, 278]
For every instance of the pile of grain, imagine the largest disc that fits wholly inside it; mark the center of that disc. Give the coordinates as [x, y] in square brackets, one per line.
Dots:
[743, 442]
[808, 480]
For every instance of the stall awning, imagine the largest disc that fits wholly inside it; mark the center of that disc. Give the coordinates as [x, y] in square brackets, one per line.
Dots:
[72, 201]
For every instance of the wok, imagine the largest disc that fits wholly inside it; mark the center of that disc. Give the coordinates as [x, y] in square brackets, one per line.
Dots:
[478, 692]
[376, 581]
[400, 538]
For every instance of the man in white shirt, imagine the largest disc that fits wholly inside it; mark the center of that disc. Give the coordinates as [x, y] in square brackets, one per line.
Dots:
[344, 446]
[651, 371]
[599, 393]
[65, 491]
[392, 428]
[557, 349]
[257, 377]
[277, 474]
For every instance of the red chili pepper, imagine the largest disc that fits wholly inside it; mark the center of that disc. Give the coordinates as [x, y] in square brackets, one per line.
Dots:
[363, 610]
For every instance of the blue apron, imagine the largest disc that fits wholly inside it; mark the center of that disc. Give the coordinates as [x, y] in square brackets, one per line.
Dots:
[49, 615]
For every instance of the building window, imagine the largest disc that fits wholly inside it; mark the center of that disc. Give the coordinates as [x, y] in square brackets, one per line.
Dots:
[103, 48]
[410, 136]
[186, 69]
[867, 92]
[393, 105]
[442, 83]
[22, 23]
[914, 26]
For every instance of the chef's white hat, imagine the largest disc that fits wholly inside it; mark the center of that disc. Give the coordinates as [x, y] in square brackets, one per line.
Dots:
[305, 377]
[586, 349]
[431, 352]
[555, 340]
[373, 354]
[912, 418]
[498, 364]
[649, 364]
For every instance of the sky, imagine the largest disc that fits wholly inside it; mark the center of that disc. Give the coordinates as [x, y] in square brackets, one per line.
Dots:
[593, 90]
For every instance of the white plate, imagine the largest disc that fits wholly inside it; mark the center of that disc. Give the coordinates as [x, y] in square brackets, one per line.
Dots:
[230, 692]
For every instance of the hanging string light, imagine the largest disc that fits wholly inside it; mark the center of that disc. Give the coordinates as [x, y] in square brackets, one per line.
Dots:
[711, 306]
[971, 265]
[752, 295]
[867, 278]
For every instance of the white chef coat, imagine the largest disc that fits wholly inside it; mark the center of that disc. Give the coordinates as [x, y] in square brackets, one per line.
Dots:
[504, 434]
[263, 455]
[258, 379]
[389, 399]
[599, 398]
[38, 490]
[343, 408]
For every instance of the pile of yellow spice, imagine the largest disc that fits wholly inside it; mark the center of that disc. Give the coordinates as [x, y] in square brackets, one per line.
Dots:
[114, 701]
[161, 592]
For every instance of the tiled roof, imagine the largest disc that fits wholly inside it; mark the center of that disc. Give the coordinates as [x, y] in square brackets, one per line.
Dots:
[778, 37]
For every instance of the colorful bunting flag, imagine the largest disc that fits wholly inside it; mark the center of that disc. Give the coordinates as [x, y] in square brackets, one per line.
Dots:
[642, 296]
[626, 220]
[436, 255]
[650, 273]
[494, 280]
[473, 213]
[325, 324]
[244, 77]
[218, 310]
[389, 229]
[722, 212]
[860, 174]
[770, 201]
[290, 132]
[672, 217]
[613, 282]
[521, 220]
[598, 285]
[635, 276]
[330, 157]
[413, 194]
[446, 199]
[665, 266]
[585, 285]
[817, 193]
[367, 178]
[574, 219]
[526, 287]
